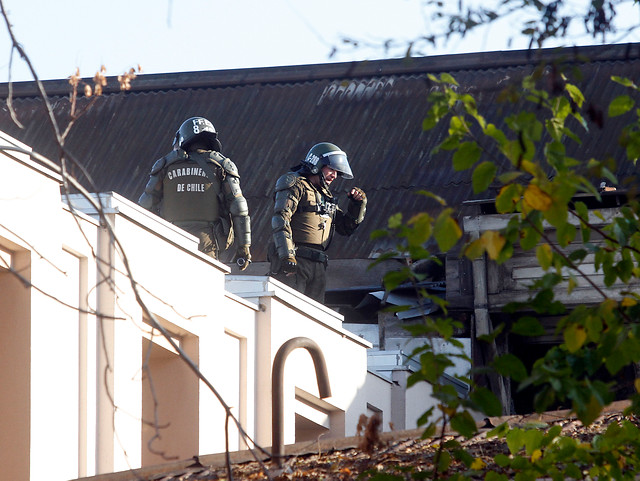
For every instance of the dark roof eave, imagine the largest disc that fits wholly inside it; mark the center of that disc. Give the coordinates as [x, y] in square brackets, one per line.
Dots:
[338, 70]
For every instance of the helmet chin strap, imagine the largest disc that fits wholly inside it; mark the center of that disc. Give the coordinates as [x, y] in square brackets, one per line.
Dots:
[323, 181]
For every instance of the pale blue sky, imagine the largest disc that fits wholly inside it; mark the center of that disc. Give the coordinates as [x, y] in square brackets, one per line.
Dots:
[184, 35]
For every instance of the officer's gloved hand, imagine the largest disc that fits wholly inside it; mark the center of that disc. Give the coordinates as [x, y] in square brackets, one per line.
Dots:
[242, 257]
[357, 194]
[289, 266]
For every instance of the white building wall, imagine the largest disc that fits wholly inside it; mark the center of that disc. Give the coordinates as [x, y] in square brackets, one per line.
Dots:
[41, 327]
[90, 387]
[286, 314]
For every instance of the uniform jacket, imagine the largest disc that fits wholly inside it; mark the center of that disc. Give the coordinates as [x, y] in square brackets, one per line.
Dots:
[180, 191]
[308, 215]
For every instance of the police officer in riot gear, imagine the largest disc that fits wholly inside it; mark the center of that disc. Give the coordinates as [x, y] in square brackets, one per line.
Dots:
[198, 189]
[306, 215]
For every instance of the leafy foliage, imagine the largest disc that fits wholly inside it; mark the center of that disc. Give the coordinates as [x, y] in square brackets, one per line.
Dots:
[538, 187]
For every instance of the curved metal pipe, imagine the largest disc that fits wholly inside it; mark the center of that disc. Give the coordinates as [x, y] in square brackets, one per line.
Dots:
[277, 388]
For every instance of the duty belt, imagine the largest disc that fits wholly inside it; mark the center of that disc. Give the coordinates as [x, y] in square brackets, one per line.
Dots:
[312, 254]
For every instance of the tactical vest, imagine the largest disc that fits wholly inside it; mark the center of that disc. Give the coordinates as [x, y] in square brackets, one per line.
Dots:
[311, 223]
[188, 195]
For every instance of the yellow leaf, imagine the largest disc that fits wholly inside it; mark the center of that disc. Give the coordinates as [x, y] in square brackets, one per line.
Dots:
[636, 384]
[493, 243]
[529, 167]
[628, 302]
[574, 337]
[544, 254]
[537, 198]
[474, 249]
[478, 464]
[537, 454]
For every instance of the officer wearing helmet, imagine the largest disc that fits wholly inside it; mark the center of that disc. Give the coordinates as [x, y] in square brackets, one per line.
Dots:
[305, 216]
[198, 189]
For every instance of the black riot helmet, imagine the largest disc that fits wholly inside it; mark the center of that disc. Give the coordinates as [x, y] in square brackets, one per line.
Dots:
[197, 128]
[329, 154]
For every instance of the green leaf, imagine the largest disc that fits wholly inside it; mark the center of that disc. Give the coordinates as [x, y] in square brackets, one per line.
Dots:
[429, 122]
[616, 361]
[624, 270]
[566, 233]
[493, 476]
[589, 412]
[502, 460]
[432, 195]
[574, 337]
[448, 78]
[530, 238]
[464, 424]
[572, 471]
[499, 431]
[556, 152]
[633, 146]
[544, 398]
[562, 110]
[583, 213]
[379, 234]
[487, 402]
[578, 255]
[429, 431]
[507, 198]
[468, 153]
[575, 93]
[498, 135]
[512, 149]
[623, 81]
[444, 461]
[552, 434]
[510, 366]
[395, 221]
[557, 213]
[509, 177]
[482, 176]
[393, 279]
[421, 229]
[620, 105]
[528, 326]
[463, 457]
[492, 335]
[515, 440]
[446, 231]
[532, 440]
[474, 249]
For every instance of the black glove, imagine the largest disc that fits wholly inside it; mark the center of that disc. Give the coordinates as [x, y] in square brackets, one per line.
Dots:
[289, 265]
[242, 257]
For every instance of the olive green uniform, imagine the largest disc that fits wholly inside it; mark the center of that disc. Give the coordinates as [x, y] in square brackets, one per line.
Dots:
[303, 222]
[213, 210]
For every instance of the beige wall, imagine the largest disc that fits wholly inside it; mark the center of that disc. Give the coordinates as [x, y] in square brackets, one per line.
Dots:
[15, 365]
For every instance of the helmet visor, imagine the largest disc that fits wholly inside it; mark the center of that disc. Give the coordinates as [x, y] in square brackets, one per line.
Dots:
[337, 160]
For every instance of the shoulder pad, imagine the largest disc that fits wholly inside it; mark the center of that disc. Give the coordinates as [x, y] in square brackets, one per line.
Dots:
[287, 181]
[224, 162]
[158, 165]
[167, 160]
[230, 167]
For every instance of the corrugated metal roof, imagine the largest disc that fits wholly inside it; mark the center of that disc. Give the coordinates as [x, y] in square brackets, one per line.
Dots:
[268, 118]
